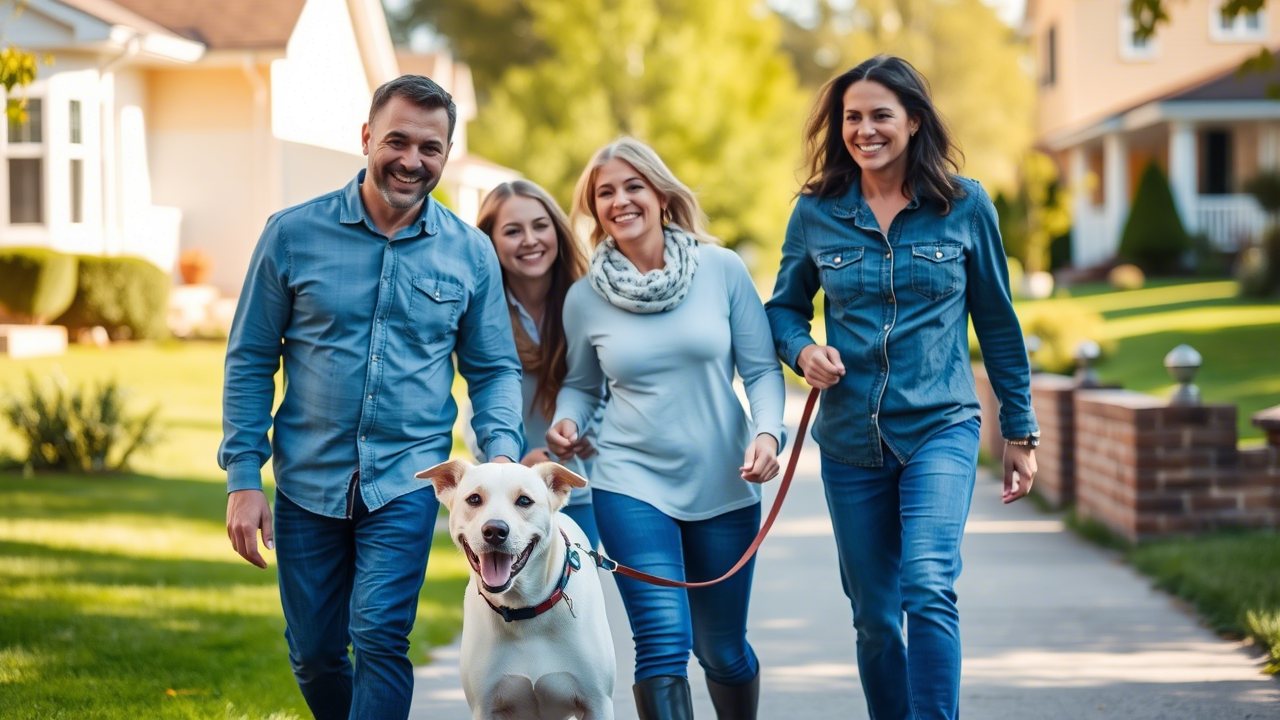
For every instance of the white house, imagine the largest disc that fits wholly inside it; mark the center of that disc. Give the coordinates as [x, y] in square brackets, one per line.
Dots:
[172, 124]
[1109, 103]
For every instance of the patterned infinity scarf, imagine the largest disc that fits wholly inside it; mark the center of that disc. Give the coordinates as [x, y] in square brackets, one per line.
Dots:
[618, 281]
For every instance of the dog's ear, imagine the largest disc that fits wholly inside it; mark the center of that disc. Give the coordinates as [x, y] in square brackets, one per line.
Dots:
[444, 478]
[560, 481]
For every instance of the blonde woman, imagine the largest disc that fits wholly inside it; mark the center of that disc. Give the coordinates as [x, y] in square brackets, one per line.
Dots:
[665, 316]
[540, 260]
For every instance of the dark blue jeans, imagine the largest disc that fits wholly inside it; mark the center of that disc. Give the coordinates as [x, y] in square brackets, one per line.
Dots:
[353, 582]
[669, 622]
[585, 515]
[898, 530]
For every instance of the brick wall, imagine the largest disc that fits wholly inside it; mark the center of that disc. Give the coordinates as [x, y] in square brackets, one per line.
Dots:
[1145, 468]
[1053, 398]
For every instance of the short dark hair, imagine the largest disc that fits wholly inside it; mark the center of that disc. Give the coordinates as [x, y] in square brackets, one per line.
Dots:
[932, 155]
[419, 90]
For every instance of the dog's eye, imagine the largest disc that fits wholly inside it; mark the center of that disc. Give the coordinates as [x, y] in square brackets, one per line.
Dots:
[474, 499]
[524, 501]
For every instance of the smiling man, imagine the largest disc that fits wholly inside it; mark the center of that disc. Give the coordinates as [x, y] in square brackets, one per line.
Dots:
[365, 293]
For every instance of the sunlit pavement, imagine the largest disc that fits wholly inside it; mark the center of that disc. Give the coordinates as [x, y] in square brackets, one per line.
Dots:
[1053, 629]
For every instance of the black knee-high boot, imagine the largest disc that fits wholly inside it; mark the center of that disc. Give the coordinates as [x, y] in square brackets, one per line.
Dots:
[664, 697]
[735, 702]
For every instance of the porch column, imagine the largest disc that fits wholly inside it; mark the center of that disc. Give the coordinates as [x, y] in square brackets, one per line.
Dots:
[1081, 205]
[1182, 171]
[1268, 146]
[1115, 189]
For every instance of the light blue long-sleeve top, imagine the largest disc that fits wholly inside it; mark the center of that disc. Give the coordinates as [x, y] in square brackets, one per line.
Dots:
[673, 432]
[367, 329]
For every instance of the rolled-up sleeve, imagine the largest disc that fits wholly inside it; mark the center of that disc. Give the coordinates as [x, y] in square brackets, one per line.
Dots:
[487, 359]
[999, 333]
[790, 310]
[253, 356]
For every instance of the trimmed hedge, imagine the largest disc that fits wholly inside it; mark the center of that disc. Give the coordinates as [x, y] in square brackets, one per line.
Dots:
[1154, 238]
[37, 284]
[126, 295]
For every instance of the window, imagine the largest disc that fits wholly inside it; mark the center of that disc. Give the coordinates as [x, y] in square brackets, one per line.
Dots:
[1133, 48]
[29, 129]
[75, 122]
[1215, 172]
[1049, 74]
[1246, 26]
[26, 190]
[77, 190]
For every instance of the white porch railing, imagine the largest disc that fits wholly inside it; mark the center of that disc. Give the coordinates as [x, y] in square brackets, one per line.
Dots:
[1091, 242]
[1231, 222]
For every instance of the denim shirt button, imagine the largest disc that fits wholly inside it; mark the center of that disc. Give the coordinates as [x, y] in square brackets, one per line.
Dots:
[836, 259]
[938, 255]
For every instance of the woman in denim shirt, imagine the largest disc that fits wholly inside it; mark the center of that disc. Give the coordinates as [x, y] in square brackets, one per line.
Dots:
[906, 252]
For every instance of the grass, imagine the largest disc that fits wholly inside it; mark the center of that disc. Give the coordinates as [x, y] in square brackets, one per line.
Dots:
[1239, 340]
[120, 595]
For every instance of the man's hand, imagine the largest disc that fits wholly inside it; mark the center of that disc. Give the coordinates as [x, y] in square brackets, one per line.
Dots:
[821, 366]
[1019, 471]
[536, 456]
[248, 512]
[760, 464]
[562, 438]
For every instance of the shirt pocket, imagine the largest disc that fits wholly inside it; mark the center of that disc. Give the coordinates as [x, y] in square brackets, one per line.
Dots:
[434, 307]
[936, 269]
[841, 272]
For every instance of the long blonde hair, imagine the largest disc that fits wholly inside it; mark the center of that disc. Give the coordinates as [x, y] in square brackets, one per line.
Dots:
[681, 204]
[546, 359]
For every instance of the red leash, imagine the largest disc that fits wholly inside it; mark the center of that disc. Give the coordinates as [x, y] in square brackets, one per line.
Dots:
[612, 566]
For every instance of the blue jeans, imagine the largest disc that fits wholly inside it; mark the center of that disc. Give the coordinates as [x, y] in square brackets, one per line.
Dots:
[898, 530]
[669, 622]
[353, 582]
[585, 515]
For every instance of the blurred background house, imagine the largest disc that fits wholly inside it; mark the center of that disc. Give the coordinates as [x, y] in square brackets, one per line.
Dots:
[164, 126]
[1109, 102]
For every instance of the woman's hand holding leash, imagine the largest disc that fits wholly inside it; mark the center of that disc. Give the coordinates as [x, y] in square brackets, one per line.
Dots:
[760, 464]
[821, 366]
[1019, 471]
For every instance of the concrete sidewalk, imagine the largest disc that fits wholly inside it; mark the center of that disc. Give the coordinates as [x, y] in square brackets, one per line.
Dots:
[1053, 629]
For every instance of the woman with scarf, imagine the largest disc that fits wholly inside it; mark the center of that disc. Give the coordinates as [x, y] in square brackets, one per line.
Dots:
[665, 316]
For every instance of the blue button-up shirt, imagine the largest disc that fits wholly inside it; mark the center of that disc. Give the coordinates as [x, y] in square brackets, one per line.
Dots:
[367, 328]
[897, 309]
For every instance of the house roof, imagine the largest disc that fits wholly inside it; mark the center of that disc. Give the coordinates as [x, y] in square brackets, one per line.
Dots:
[224, 24]
[1233, 84]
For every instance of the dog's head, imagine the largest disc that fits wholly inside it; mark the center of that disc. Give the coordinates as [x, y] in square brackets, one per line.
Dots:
[501, 515]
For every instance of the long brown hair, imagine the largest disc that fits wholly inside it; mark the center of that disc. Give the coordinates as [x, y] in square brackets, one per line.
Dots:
[682, 205]
[933, 158]
[545, 359]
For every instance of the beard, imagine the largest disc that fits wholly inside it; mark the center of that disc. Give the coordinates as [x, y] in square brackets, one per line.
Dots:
[402, 199]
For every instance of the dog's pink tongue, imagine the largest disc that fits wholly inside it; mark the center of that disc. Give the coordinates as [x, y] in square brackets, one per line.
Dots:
[495, 568]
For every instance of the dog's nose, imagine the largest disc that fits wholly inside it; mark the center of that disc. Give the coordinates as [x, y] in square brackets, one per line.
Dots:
[495, 532]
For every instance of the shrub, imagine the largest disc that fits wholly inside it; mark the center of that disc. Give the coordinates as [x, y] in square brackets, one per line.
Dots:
[1126, 277]
[1061, 326]
[126, 295]
[37, 284]
[1265, 187]
[79, 430]
[1154, 238]
[1253, 271]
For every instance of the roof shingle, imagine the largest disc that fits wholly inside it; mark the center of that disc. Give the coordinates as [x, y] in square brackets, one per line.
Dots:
[224, 24]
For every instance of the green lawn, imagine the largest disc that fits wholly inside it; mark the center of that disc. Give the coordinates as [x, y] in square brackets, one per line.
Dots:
[1238, 339]
[121, 596]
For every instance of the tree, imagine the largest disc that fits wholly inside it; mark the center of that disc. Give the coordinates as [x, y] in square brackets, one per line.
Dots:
[703, 82]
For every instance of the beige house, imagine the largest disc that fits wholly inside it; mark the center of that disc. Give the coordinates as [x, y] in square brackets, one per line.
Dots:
[1109, 103]
[165, 125]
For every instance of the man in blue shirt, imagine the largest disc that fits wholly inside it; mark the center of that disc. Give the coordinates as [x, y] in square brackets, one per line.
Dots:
[365, 293]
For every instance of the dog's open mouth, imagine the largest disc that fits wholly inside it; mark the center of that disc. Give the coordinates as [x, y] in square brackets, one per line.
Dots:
[497, 569]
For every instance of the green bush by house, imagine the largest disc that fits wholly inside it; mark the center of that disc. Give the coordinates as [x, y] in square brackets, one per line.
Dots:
[126, 295]
[1154, 238]
[36, 283]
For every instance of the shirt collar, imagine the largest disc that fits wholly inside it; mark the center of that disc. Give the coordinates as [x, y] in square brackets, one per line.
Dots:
[526, 320]
[354, 212]
[853, 205]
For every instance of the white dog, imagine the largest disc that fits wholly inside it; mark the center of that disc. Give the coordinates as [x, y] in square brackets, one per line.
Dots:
[535, 639]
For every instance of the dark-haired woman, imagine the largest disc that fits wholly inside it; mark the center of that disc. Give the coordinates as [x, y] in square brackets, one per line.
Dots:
[540, 260]
[906, 252]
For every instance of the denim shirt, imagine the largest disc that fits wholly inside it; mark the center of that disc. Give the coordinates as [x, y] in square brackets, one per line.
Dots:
[367, 328]
[897, 310]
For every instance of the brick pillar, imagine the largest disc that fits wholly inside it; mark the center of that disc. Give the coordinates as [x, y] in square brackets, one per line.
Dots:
[1053, 398]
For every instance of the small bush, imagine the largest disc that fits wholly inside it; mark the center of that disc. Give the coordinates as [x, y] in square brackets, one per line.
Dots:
[1061, 326]
[1154, 238]
[79, 430]
[126, 295]
[1253, 271]
[36, 283]
[1126, 277]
